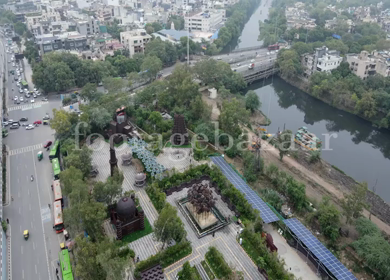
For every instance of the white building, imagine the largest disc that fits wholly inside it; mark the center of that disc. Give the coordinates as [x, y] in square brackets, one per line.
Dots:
[135, 40]
[321, 60]
[206, 21]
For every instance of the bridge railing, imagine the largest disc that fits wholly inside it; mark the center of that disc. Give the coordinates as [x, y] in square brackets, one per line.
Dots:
[247, 49]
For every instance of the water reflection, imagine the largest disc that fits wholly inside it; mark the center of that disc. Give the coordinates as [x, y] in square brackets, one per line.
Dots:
[361, 150]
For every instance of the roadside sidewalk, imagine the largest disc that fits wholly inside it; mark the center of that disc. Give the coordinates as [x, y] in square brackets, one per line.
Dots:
[7, 179]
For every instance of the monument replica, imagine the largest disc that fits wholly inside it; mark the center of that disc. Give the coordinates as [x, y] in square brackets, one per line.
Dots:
[113, 161]
[126, 217]
[200, 203]
[179, 132]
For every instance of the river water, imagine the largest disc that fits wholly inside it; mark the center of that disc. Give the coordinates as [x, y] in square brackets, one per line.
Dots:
[360, 150]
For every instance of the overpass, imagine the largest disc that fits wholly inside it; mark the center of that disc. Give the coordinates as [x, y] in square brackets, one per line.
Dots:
[262, 71]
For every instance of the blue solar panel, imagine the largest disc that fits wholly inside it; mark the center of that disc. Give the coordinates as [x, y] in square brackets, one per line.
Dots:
[251, 196]
[319, 250]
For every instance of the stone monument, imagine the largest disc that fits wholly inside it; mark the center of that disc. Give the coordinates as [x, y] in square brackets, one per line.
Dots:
[179, 132]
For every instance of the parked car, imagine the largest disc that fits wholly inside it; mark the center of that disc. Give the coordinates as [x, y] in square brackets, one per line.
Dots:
[23, 119]
[32, 101]
[14, 126]
[38, 122]
[21, 99]
[44, 99]
[30, 126]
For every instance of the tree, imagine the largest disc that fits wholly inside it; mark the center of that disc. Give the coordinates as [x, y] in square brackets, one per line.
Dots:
[107, 192]
[113, 85]
[354, 203]
[329, 218]
[92, 215]
[165, 51]
[178, 22]
[364, 226]
[233, 112]
[60, 122]
[100, 117]
[366, 106]
[289, 63]
[252, 101]
[89, 92]
[251, 170]
[68, 178]
[188, 272]
[284, 142]
[53, 76]
[87, 267]
[168, 226]
[151, 66]
[81, 159]
[114, 30]
[20, 28]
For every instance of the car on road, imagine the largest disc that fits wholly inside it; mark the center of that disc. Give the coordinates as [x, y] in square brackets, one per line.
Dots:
[272, 52]
[34, 95]
[252, 60]
[18, 73]
[23, 119]
[26, 90]
[18, 101]
[21, 99]
[238, 64]
[268, 53]
[45, 99]
[30, 126]
[5, 123]
[15, 98]
[47, 144]
[38, 93]
[10, 121]
[14, 126]
[46, 117]
[27, 95]
[35, 89]
[38, 122]
[13, 64]
[32, 101]
[219, 58]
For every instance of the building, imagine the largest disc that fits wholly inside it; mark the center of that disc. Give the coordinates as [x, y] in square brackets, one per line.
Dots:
[209, 20]
[362, 64]
[297, 18]
[135, 40]
[365, 64]
[104, 14]
[332, 23]
[65, 41]
[88, 27]
[321, 60]
[172, 35]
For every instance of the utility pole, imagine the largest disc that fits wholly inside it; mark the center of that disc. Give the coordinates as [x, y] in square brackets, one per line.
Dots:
[188, 45]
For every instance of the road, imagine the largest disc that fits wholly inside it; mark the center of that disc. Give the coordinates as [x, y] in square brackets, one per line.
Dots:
[35, 258]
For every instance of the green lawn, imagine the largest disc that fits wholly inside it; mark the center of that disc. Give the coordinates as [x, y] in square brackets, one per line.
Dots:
[138, 234]
[206, 268]
[169, 144]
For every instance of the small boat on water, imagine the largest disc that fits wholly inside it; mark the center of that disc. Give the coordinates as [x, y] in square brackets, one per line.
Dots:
[307, 139]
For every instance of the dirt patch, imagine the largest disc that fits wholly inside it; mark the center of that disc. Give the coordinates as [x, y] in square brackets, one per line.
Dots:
[258, 119]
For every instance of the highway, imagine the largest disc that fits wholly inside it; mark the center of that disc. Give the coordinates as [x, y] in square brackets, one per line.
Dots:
[37, 257]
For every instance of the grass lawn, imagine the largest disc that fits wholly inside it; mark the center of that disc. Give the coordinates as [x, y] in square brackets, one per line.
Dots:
[169, 145]
[206, 268]
[138, 234]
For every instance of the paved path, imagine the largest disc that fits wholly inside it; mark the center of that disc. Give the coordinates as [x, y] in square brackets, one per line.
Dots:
[25, 107]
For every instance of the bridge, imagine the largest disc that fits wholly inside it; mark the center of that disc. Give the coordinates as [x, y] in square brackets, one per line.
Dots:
[262, 71]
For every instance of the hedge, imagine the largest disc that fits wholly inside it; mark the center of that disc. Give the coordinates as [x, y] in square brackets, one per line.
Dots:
[164, 258]
[218, 263]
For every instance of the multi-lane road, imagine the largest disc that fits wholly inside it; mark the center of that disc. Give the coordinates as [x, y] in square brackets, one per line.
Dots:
[29, 200]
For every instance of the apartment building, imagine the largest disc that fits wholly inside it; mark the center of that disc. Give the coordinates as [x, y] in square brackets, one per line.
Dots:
[135, 40]
[65, 41]
[88, 27]
[332, 23]
[363, 65]
[207, 21]
[322, 60]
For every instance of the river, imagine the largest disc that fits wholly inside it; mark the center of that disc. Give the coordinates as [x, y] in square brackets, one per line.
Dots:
[360, 150]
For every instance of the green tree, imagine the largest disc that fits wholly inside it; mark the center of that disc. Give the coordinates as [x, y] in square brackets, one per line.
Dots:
[188, 272]
[68, 178]
[289, 63]
[107, 191]
[253, 167]
[354, 203]
[329, 219]
[233, 112]
[60, 122]
[152, 65]
[114, 30]
[252, 101]
[168, 226]
[364, 226]
[113, 85]
[90, 93]
[100, 117]
[366, 106]
[81, 159]
[165, 51]
[20, 28]
[92, 215]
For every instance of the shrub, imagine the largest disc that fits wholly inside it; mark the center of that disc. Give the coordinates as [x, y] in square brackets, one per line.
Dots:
[218, 263]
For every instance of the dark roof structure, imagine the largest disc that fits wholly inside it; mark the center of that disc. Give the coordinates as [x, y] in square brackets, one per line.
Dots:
[179, 131]
[125, 208]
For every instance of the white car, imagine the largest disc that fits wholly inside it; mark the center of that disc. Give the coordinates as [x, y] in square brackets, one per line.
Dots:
[20, 91]
[252, 60]
[272, 52]
[13, 64]
[35, 89]
[21, 99]
[18, 73]
[15, 98]
[268, 53]
[32, 101]
[38, 93]
[238, 64]
[26, 90]
[219, 58]
[44, 99]
[30, 126]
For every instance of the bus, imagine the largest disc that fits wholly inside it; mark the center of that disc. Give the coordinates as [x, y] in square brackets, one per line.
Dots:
[24, 84]
[57, 191]
[66, 268]
[273, 47]
[58, 220]
[56, 168]
[54, 150]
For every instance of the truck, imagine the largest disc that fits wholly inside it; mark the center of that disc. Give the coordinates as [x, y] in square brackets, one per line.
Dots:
[251, 66]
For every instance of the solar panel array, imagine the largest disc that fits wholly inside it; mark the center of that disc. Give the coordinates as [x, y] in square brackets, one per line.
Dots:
[251, 196]
[319, 250]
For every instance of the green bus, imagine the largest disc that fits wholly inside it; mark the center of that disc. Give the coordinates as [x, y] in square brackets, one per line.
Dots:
[66, 268]
[54, 150]
[56, 168]
[24, 84]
